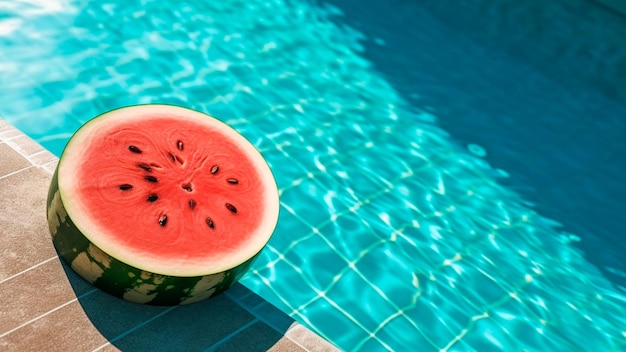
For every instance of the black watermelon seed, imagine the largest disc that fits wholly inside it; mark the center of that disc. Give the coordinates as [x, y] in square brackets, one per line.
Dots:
[172, 156]
[180, 161]
[134, 149]
[179, 144]
[231, 208]
[150, 178]
[187, 187]
[163, 220]
[214, 169]
[145, 167]
[210, 223]
[232, 181]
[152, 198]
[125, 187]
[192, 203]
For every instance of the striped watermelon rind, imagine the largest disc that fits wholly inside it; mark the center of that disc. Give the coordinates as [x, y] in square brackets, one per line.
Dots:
[123, 280]
[110, 236]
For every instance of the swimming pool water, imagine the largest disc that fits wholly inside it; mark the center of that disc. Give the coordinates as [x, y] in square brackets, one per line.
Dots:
[542, 93]
[391, 233]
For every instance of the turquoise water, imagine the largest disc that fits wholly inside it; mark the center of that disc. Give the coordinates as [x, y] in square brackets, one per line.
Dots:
[392, 233]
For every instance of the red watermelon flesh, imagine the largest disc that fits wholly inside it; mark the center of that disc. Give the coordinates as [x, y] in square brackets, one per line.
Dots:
[166, 190]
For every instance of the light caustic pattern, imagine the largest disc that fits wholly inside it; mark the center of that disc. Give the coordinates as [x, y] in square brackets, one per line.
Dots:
[390, 234]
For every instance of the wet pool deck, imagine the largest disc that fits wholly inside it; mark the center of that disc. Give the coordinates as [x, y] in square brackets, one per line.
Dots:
[46, 307]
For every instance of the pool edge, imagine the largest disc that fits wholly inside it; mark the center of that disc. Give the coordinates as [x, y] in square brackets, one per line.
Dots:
[25, 171]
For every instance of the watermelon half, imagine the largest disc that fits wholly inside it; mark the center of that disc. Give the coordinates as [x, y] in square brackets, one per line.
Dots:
[160, 204]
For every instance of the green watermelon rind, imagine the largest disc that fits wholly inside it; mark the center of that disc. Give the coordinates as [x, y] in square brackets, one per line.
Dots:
[123, 280]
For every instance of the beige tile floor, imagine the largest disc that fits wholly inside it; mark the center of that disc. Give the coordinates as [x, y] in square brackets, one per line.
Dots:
[46, 307]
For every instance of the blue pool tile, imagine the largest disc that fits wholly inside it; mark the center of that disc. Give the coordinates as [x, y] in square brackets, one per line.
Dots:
[400, 332]
[320, 263]
[336, 327]
[350, 235]
[368, 307]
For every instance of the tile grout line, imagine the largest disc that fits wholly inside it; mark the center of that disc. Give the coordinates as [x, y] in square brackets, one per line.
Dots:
[44, 166]
[26, 270]
[232, 334]
[298, 340]
[47, 313]
[37, 318]
[294, 324]
[134, 328]
[10, 141]
[17, 171]
[41, 152]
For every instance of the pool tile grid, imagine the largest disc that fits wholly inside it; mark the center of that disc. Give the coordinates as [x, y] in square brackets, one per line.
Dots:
[47, 307]
[513, 294]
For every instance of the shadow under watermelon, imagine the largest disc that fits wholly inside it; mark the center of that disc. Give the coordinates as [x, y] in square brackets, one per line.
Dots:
[227, 322]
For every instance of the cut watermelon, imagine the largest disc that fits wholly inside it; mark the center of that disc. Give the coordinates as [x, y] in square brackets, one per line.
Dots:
[160, 204]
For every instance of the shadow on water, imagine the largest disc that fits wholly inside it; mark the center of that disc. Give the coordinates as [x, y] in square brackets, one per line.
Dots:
[217, 324]
[538, 85]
